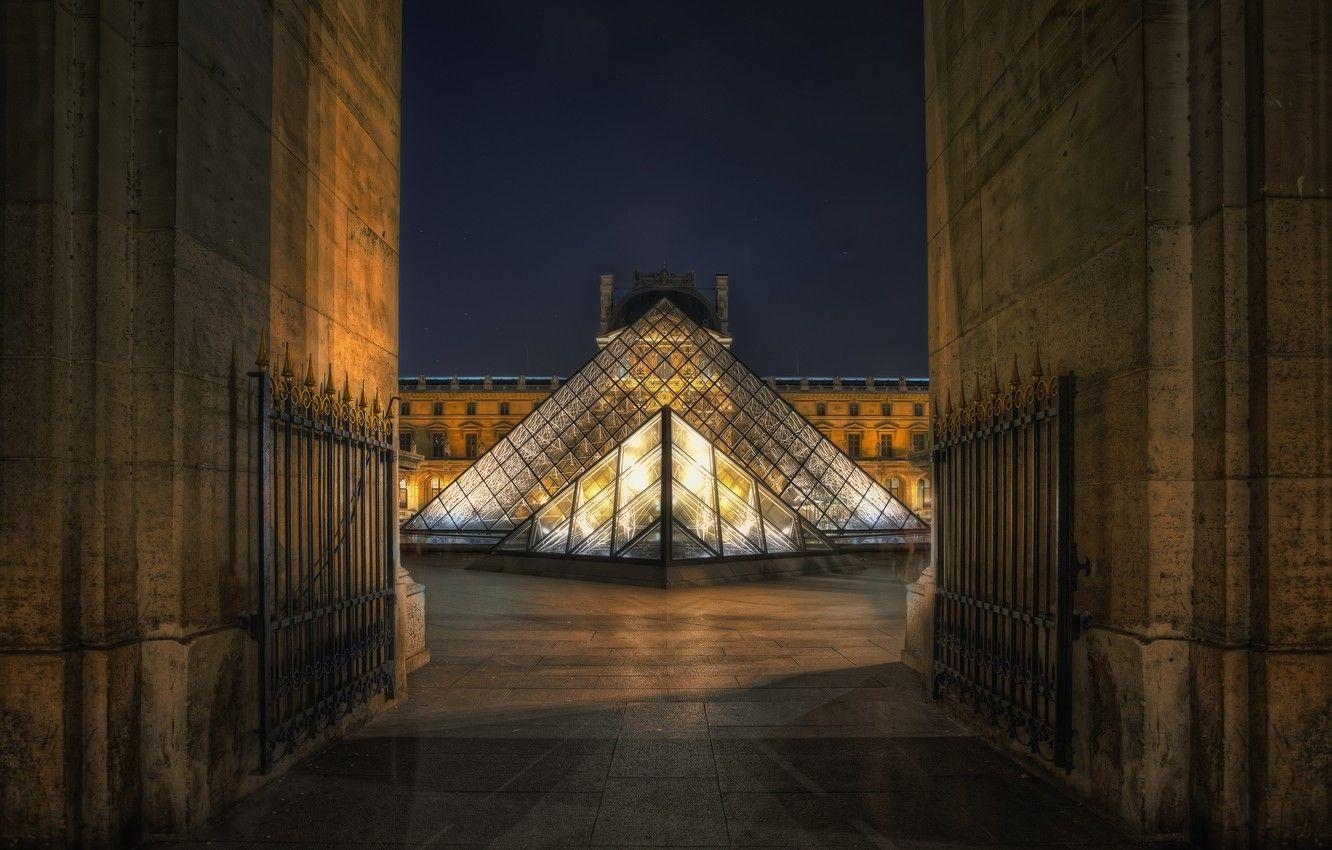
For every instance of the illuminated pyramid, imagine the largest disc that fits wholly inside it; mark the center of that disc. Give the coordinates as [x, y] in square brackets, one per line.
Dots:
[660, 359]
[665, 495]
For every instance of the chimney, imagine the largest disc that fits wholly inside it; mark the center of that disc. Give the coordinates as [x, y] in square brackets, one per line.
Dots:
[607, 301]
[723, 303]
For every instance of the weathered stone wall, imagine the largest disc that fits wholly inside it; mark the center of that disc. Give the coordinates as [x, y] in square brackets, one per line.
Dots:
[178, 179]
[1142, 189]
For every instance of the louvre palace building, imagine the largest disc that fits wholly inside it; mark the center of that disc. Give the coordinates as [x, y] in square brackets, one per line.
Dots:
[447, 423]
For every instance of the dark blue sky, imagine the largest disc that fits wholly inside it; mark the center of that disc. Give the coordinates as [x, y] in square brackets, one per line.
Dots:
[544, 143]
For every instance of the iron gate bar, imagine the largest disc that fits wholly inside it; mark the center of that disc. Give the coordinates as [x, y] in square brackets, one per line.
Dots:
[1006, 564]
[325, 532]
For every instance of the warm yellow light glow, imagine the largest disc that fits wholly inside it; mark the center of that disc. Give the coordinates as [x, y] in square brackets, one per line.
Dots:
[637, 479]
[693, 479]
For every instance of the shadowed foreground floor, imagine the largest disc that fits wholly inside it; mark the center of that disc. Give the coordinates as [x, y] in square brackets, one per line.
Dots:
[566, 713]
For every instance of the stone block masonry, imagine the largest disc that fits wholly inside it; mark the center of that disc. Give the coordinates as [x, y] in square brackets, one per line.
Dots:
[179, 179]
[1142, 190]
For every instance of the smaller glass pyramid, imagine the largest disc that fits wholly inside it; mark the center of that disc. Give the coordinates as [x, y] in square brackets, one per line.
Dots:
[615, 508]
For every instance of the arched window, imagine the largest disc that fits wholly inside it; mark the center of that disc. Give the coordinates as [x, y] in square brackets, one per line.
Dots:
[402, 493]
[922, 492]
[895, 486]
[435, 486]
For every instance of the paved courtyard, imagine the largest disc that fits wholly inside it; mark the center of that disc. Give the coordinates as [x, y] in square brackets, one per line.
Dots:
[565, 713]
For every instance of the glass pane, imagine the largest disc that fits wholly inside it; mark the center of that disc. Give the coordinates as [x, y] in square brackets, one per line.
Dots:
[638, 514]
[589, 517]
[693, 479]
[598, 478]
[517, 542]
[691, 443]
[597, 543]
[735, 542]
[696, 516]
[553, 515]
[740, 516]
[554, 541]
[683, 546]
[638, 477]
[779, 524]
[643, 441]
[648, 547]
[735, 479]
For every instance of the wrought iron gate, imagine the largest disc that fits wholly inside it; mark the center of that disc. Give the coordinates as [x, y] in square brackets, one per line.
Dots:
[1005, 562]
[326, 517]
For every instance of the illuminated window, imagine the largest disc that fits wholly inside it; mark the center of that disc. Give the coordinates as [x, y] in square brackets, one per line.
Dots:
[504, 408]
[405, 408]
[435, 486]
[885, 445]
[820, 409]
[922, 490]
[405, 440]
[917, 410]
[437, 445]
[471, 408]
[918, 441]
[895, 487]
[437, 408]
[402, 494]
[886, 409]
[470, 442]
[853, 409]
[853, 445]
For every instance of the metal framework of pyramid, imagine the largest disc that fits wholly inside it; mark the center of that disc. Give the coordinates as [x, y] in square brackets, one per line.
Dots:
[662, 360]
[665, 495]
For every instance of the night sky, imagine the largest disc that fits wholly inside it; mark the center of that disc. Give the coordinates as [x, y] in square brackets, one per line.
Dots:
[544, 143]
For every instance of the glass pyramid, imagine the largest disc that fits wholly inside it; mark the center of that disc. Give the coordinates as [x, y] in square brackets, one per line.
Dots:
[615, 508]
[662, 360]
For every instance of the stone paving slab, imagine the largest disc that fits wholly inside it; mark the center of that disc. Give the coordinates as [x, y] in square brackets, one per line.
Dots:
[562, 714]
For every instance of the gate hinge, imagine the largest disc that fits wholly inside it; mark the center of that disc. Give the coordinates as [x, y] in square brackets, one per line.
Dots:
[251, 623]
[1080, 566]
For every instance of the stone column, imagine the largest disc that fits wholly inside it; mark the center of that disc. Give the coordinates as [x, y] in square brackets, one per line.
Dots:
[178, 183]
[1154, 212]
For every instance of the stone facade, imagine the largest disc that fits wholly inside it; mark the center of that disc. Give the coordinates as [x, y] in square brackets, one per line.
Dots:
[178, 181]
[1142, 190]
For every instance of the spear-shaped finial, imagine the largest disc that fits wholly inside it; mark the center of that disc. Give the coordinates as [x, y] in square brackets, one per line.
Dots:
[994, 374]
[980, 393]
[949, 393]
[346, 388]
[262, 360]
[361, 403]
[328, 380]
[1036, 370]
[286, 361]
[375, 408]
[1014, 379]
[309, 372]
